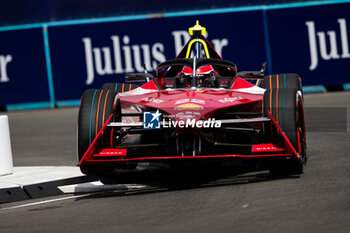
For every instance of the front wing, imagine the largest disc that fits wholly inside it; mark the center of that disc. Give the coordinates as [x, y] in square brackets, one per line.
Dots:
[281, 148]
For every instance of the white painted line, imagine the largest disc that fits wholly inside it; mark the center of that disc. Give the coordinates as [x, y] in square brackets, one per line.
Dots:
[97, 186]
[91, 187]
[135, 186]
[44, 202]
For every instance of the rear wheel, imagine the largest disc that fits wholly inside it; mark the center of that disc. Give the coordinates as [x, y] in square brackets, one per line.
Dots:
[95, 109]
[286, 107]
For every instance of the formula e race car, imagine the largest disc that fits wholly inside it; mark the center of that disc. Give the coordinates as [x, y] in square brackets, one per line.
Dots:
[198, 108]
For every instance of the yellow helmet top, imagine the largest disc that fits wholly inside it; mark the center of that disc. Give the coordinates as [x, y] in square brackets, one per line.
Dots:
[197, 29]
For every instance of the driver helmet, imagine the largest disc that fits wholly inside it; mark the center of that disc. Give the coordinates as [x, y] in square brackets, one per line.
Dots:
[206, 69]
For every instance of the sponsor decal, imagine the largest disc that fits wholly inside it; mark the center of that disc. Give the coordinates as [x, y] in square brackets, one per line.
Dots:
[269, 147]
[4, 61]
[197, 101]
[99, 60]
[152, 100]
[230, 100]
[192, 123]
[189, 106]
[121, 55]
[263, 148]
[185, 115]
[182, 101]
[113, 152]
[330, 51]
[151, 120]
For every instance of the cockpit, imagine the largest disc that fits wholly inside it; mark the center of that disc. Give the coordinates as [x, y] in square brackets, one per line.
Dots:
[198, 65]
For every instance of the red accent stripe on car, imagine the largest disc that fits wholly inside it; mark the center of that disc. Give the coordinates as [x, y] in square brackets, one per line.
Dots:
[111, 138]
[288, 144]
[299, 146]
[93, 145]
[270, 95]
[111, 152]
[186, 157]
[298, 133]
[277, 98]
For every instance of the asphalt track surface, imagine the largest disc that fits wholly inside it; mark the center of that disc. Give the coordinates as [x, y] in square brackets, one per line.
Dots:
[200, 201]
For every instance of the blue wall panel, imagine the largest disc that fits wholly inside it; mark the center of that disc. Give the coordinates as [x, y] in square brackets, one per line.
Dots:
[23, 76]
[313, 41]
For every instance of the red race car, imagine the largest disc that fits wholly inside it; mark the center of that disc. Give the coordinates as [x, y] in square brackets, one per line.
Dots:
[198, 108]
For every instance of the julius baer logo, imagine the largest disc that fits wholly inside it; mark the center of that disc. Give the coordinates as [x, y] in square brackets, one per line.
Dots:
[120, 55]
[328, 50]
[4, 61]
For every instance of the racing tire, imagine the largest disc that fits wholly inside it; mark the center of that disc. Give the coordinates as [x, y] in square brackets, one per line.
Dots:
[286, 107]
[95, 108]
[279, 81]
[119, 87]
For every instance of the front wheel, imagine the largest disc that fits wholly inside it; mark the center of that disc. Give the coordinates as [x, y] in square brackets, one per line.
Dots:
[286, 107]
[95, 109]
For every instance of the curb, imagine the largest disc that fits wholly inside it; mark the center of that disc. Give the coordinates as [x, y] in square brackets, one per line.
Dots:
[12, 194]
[50, 188]
[29, 183]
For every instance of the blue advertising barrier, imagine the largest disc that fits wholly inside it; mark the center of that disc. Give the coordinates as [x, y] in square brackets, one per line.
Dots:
[23, 76]
[50, 64]
[313, 41]
[95, 54]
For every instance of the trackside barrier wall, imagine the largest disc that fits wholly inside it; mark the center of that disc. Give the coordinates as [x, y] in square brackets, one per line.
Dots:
[43, 65]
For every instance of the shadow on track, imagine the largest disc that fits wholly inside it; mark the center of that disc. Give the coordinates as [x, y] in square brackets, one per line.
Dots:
[174, 179]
